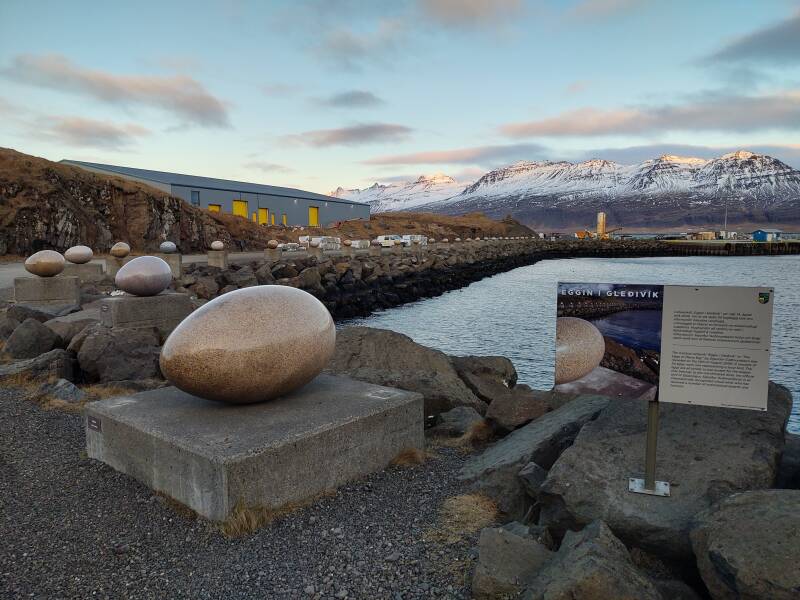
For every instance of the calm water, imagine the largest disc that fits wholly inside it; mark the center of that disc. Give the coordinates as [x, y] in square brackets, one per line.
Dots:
[513, 314]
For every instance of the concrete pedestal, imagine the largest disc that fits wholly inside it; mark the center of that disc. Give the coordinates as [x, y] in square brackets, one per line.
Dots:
[212, 456]
[315, 252]
[114, 264]
[163, 311]
[175, 262]
[85, 272]
[397, 249]
[272, 254]
[348, 251]
[218, 258]
[47, 291]
[375, 250]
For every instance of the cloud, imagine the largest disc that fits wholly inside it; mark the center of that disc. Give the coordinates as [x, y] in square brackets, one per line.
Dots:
[350, 50]
[178, 94]
[351, 99]
[354, 135]
[788, 153]
[778, 44]
[268, 167]
[709, 112]
[576, 87]
[602, 9]
[470, 13]
[281, 89]
[79, 131]
[467, 156]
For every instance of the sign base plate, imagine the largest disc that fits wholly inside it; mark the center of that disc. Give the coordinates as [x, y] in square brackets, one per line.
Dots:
[636, 485]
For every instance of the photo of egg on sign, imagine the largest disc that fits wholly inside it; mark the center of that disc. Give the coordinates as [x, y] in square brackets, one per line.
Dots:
[608, 339]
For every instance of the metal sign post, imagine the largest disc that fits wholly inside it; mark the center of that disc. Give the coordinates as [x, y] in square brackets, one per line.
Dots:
[649, 485]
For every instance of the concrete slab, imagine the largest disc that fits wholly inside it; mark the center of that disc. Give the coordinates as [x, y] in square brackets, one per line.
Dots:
[47, 291]
[272, 254]
[163, 311]
[85, 273]
[175, 262]
[214, 457]
[218, 258]
[114, 264]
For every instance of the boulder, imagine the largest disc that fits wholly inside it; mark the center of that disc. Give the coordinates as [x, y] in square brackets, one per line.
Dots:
[456, 421]
[532, 477]
[29, 339]
[515, 407]
[748, 546]
[264, 274]
[242, 278]
[706, 453]
[63, 390]
[506, 562]
[395, 360]
[789, 467]
[68, 326]
[205, 287]
[110, 354]
[55, 364]
[20, 312]
[591, 564]
[495, 472]
[495, 368]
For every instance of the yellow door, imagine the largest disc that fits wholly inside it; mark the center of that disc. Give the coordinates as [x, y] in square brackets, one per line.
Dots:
[214, 208]
[273, 218]
[240, 208]
[313, 216]
[283, 219]
[263, 216]
[254, 218]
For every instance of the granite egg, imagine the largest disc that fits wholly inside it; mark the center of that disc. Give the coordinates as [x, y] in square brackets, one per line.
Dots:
[167, 247]
[314, 244]
[144, 276]
[217, 245]
[79, 255]
[120, 250]
[579, 348]
[431, 240]
[347, 243]
[445, 240]
[45, 263]
[272, 244]
[250, 345]
[458, 239]
[375, 243]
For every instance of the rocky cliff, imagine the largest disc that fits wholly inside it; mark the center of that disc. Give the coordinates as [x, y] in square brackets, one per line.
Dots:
[50, 205]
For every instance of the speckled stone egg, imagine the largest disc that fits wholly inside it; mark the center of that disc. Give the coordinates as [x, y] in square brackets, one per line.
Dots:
[217, 245]
[250, 345]
[45, 263]
[144, 276]
[579, 348]
[79, 255]
[167, 247]
[272, 244]
[120, 250]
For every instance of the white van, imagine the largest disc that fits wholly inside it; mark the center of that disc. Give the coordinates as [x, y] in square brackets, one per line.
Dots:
[387, 241]
[409, 239]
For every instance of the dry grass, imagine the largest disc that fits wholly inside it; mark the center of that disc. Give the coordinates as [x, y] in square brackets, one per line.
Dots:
[101, 392]
[478, 435]
[245, 520]
[410, 457]
[461, 516]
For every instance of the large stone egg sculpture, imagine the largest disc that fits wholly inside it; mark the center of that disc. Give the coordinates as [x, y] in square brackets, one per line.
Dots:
[217, 245]
[79, 255]
[144, 276]
[167, 247]
[579, 348]
[272, 244]
[45, 263]
[250, 345]
[120, 250]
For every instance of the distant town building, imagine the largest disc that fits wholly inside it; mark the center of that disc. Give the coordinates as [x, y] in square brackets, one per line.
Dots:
[702, 235]
[263, 204]
[766, 235]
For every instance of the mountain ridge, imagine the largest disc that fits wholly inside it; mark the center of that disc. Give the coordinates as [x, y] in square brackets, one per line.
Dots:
[666, 191]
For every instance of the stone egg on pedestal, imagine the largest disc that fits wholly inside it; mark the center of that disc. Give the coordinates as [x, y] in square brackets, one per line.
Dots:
[217, 245]
[375, 244]
[347, 243]
[167, 247]
[144, 276]
[250, 345]
[272, 244]
[120, 250]
[313, 244]
[579, 348]
[79, 255]
[45, 263]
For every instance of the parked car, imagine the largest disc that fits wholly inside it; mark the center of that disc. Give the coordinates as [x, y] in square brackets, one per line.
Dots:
[387, 241]
[409, 239]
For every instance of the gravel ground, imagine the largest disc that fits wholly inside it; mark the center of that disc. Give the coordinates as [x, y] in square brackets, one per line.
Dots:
[71, 527]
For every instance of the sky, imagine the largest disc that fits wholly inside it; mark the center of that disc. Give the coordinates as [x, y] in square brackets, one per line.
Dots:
[317, 94]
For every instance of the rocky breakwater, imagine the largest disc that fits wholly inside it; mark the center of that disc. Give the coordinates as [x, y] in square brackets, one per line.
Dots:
[357, 285]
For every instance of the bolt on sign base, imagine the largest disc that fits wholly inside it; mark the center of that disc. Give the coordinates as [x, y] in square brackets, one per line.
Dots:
[637, 486]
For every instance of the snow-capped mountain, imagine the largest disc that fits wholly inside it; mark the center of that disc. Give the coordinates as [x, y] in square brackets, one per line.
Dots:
[404, 196]
[669, 190]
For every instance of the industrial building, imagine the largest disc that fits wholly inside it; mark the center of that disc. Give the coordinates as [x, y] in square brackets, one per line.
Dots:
[766, 235]
[263, 204]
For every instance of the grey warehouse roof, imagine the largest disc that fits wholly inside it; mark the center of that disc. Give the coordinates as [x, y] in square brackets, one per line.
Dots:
[196, 181]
